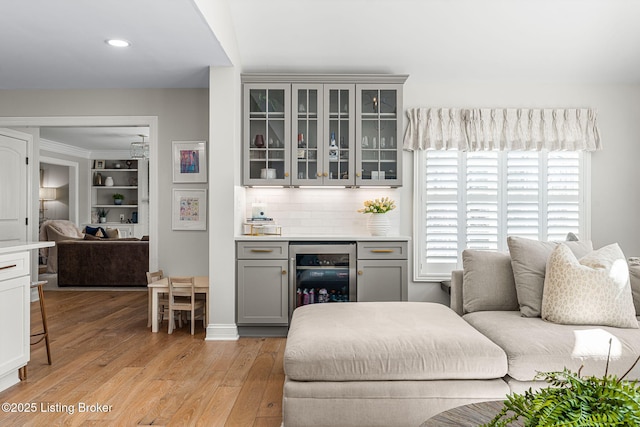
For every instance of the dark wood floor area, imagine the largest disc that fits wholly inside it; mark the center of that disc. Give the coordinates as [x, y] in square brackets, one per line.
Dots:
[103, 353]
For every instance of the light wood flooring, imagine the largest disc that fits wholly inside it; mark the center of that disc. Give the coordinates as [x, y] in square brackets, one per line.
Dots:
[104, 353]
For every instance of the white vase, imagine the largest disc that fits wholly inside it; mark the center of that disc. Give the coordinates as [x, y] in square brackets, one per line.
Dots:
[378, 224]
[108, 182]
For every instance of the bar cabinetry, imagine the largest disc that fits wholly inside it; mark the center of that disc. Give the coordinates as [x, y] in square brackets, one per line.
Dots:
[322, 130]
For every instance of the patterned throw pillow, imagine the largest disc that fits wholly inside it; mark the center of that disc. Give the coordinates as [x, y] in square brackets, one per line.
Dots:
[592, 291]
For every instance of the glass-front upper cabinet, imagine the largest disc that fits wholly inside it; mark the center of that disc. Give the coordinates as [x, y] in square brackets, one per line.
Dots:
[378, 135]
[266, 137]
[339, 134]
[307, 155]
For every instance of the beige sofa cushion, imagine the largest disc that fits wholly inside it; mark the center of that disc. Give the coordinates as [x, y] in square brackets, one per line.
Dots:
[534, 345]
[594, 290]
[57, 233]
[375, 341]
[529, 262]
[488, 282]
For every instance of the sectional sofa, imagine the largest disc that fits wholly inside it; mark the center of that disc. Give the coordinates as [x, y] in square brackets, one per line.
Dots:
[400, 363]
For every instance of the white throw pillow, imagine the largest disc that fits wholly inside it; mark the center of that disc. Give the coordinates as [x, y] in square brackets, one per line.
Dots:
[592, 291]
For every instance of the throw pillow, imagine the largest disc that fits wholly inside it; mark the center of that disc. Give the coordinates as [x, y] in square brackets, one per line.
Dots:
[529, 261]
[95, 231]
[592, 291]
[88, 236]
[487, 283]
[571, 237]
[112, 233]
[634, 278]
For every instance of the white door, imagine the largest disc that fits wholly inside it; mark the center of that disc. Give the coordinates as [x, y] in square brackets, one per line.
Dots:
[13, 185]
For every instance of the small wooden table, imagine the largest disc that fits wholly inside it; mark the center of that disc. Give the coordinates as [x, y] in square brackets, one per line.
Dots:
[162, 286]
[471, 415]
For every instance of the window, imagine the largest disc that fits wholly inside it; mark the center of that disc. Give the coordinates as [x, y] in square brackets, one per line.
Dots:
[476, 199]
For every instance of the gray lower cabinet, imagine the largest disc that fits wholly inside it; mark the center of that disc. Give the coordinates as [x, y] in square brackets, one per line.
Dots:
[382, 271]
[262, 283]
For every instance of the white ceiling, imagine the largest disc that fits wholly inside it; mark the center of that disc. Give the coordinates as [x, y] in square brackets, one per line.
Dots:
[95, 138]
[558, 41]
[60, 44]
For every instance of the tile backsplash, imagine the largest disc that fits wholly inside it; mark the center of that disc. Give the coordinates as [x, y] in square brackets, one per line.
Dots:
[321, 211]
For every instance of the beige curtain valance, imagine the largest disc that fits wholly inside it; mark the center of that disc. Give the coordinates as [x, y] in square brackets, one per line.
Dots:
[504, 129]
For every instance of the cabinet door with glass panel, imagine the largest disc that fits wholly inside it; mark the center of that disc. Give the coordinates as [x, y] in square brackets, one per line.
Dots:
[307, 155]
[339, 134]
[379, 150]
[266, 137]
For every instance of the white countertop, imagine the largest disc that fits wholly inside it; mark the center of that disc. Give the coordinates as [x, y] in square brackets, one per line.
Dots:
[325, 238]
[19, 246]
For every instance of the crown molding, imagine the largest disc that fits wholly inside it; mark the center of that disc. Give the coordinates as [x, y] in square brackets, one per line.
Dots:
[60, 148]
[323, 78]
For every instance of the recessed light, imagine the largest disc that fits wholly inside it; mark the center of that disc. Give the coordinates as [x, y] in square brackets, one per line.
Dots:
[118, 43]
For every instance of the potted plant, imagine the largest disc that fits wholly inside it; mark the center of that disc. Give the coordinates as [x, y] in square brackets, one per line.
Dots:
[102, 214]
[573, 400]
[378, 223]
[118, 198]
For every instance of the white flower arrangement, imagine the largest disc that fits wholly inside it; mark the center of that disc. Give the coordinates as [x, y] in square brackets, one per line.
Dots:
[382, 205]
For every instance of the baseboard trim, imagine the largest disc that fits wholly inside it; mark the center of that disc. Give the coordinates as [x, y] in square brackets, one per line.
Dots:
[222, 332]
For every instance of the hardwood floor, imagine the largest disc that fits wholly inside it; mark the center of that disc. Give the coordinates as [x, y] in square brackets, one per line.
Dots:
[104, 354]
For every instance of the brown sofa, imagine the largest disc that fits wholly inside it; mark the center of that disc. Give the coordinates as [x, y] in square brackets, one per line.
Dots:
[105, 262]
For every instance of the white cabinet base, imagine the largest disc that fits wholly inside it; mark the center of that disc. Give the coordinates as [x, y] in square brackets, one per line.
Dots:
[9, 379]
[14, 316]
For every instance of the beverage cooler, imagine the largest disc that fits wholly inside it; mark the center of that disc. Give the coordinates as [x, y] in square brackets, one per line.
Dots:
[324, 273]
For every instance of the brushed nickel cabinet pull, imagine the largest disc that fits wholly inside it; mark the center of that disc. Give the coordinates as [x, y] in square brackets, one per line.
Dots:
[382, 251]
[261, 250]
[8, 266]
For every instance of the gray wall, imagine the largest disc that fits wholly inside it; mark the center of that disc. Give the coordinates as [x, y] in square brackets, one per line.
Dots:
[56, 176]
[183, 114]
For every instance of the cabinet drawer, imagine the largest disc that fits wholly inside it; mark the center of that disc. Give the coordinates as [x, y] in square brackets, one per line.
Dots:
[262, 250]
[382, 250]
[14, 265]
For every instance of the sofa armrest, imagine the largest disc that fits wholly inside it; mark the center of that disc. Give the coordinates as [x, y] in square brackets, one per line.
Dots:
[456, 292]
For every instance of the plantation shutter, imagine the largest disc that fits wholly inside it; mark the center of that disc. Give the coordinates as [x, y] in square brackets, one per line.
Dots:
[523, 194]
[565, 207]
[441, 191]
[476, 199]
[482, 200]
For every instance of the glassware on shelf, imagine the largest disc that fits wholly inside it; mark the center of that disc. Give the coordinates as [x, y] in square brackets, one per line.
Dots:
[333, 147]
[259, 141]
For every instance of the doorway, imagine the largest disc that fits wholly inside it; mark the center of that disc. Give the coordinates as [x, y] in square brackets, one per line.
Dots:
[99, 121]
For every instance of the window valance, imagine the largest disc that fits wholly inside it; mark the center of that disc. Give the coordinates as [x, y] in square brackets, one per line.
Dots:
[503, 129]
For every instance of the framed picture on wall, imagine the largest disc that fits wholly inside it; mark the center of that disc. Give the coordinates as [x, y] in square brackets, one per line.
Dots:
[189, 161]
[189, 210]
[98, 164]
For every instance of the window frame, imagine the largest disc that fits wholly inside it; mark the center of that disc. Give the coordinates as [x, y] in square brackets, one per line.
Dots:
[420, 268]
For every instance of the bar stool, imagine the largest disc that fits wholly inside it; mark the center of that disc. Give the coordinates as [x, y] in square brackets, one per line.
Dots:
[44, 335]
